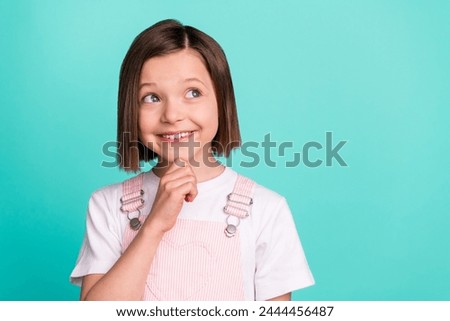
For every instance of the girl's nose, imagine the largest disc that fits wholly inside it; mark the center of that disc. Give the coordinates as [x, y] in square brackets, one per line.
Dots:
[172, 112]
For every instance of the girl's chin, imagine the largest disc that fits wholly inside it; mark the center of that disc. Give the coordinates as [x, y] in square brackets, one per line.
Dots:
[169, 162]
[169, 159]
[197, 161]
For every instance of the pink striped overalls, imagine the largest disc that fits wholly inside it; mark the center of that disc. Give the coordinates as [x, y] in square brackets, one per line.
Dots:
[195, 260]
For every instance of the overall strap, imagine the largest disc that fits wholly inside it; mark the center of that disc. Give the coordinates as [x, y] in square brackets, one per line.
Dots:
[132, 199]
[239, 204]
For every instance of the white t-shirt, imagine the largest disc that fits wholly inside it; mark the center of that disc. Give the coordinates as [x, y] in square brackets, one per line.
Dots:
[273, 261]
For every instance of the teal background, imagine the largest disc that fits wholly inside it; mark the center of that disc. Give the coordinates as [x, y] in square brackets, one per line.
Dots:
[375, 73]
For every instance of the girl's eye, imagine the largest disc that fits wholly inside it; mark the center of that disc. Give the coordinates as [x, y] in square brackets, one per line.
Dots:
[151, 98]
[193, 93]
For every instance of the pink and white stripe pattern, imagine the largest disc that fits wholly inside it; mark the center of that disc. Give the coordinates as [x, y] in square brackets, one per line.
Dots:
[196, 261]
[132, 199]
[239, 202]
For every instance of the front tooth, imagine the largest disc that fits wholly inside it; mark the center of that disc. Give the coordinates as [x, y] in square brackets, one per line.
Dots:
[176, 136]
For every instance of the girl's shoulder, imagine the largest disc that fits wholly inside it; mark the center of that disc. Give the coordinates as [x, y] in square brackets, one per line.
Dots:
[265, 196]
[269, 208]
[105, 199]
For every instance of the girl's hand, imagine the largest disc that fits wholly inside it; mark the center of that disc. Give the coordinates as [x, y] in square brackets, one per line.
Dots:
[177, 185]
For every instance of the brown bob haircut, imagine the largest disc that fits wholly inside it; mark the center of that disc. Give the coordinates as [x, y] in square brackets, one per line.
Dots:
[163, 38]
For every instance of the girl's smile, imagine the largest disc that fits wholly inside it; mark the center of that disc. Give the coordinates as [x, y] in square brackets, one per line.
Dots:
[176, 136]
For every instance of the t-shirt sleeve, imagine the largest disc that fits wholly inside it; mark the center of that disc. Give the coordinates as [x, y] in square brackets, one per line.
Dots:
[101, 246]
[281, 265]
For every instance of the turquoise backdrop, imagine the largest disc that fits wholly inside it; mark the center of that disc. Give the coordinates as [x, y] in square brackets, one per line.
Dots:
[373, 73]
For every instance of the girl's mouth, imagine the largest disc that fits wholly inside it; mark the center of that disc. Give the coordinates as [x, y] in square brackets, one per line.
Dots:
[176, 137]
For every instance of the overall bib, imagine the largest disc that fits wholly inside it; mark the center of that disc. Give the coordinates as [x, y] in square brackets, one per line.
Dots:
[195, 260]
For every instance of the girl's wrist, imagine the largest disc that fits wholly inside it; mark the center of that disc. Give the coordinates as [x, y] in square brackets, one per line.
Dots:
[152, 228]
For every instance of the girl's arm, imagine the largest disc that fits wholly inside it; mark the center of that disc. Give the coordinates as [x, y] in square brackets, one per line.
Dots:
[126, 279]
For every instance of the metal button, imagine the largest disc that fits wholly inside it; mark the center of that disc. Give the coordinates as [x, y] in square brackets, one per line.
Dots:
[230, 230]
[135, 224]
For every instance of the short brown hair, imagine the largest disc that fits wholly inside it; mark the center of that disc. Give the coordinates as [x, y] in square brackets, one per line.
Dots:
[163, 38]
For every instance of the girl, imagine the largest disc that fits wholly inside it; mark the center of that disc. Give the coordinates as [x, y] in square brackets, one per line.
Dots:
[191, 228]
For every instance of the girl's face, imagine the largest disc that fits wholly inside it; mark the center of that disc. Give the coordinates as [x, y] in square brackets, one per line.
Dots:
[178, 116]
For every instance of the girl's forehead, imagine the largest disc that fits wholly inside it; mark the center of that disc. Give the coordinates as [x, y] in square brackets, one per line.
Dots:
[176, 66]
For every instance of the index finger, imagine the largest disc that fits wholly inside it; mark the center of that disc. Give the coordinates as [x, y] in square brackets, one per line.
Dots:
[181, 162]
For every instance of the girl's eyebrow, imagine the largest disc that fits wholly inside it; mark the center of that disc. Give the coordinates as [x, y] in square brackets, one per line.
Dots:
[146, 84]
[186, 80]
[194, 79]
